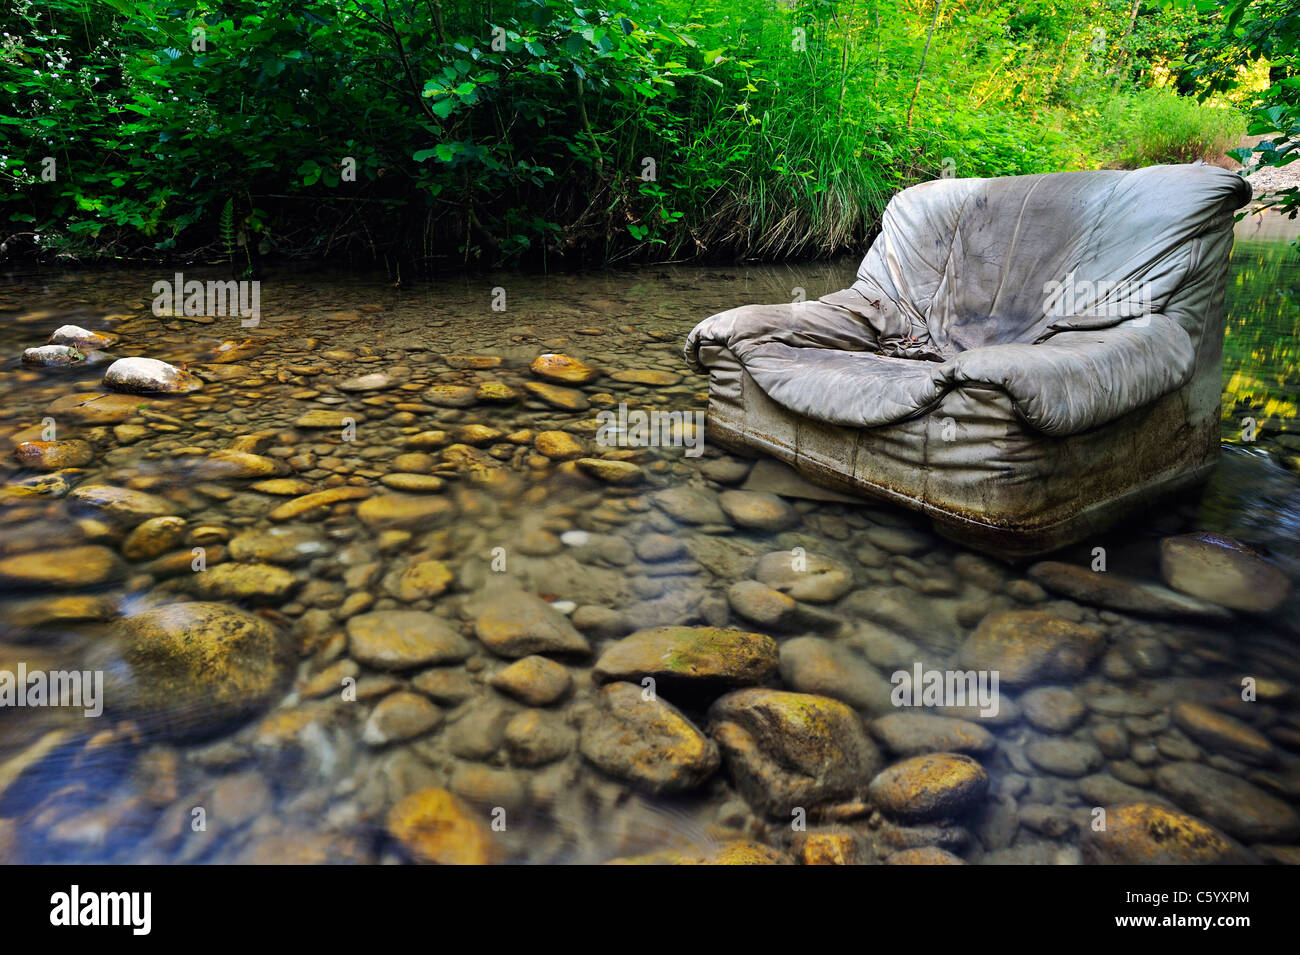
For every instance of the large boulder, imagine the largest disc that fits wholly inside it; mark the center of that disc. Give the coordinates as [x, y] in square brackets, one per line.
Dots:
[637, 737]
[787, 751]
[194, 668]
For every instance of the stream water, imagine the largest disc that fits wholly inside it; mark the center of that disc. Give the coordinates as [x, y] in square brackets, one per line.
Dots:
[428, 660]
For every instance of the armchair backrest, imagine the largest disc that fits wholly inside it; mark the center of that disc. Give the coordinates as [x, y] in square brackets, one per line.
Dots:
[972, 262]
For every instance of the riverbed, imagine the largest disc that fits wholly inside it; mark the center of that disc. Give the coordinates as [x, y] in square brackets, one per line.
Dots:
[381, 590]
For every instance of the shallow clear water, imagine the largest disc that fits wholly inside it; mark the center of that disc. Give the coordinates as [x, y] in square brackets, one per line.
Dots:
[308, 765]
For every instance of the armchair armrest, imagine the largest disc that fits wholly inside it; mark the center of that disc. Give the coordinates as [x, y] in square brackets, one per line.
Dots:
[1080, 379]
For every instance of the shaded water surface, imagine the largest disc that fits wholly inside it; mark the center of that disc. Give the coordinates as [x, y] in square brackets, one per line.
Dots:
[360, 661]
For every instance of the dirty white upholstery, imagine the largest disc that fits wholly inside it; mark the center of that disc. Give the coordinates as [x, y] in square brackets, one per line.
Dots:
[1022, 358]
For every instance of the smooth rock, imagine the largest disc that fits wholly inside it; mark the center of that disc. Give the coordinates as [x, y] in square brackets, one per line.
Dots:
[931, 786]
[562, 369]
[1029, 646]
[119, 503]
[61, 568]
[1119, 593]
[402, 639]
[513, 623]
[646, 742]
[611, 472]
[1223, 733]
[435, 828]
[789, 750]
[235, 581]
[1236, 806]
[1223, 571]
[690, 654]
[566, 399]
[690, 505]
[1053, 709]
[534, 680]
[1144, 833]
[192, 668]
[764, 512]
[400, 716]
[154, 537]
[82, 338]
[54, 455]
[410, 512]
[823, 667]
[277, 545]
[807, 577]
[146, 376]
[914, 734]
[1064, 757]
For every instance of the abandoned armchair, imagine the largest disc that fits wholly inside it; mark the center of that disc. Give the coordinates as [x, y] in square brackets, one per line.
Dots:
[1023, 359]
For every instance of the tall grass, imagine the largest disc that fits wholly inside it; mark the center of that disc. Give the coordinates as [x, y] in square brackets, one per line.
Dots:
[1149, 127]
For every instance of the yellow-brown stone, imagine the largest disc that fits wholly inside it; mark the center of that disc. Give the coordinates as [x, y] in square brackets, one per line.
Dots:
[436, 828]
[562, 368]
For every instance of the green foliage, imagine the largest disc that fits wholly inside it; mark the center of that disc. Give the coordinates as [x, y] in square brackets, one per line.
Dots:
[464, 132]
[1250, 30]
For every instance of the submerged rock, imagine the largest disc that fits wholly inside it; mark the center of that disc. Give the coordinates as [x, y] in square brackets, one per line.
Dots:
[1223, 571]
[690, 654]
[611, 472]
[816, 665]
[403, 639]
[1236, 806]
[914, 734]
[54, 455]
[534, 680]
[96, 407]
[435, 828]
[148, 376]
[929, 787]
[1145, 833]
[516, 624]
[792, 750]
[400, 716]
[154, 537]
[645, 741]
[61, 568]
[752, 509]
[1224, 734]
[1119, 593]
[566, 399]
[807, 577]
[690, 505]
[1028, 646]
[563, 369]
[193, 668]
[119, 503]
